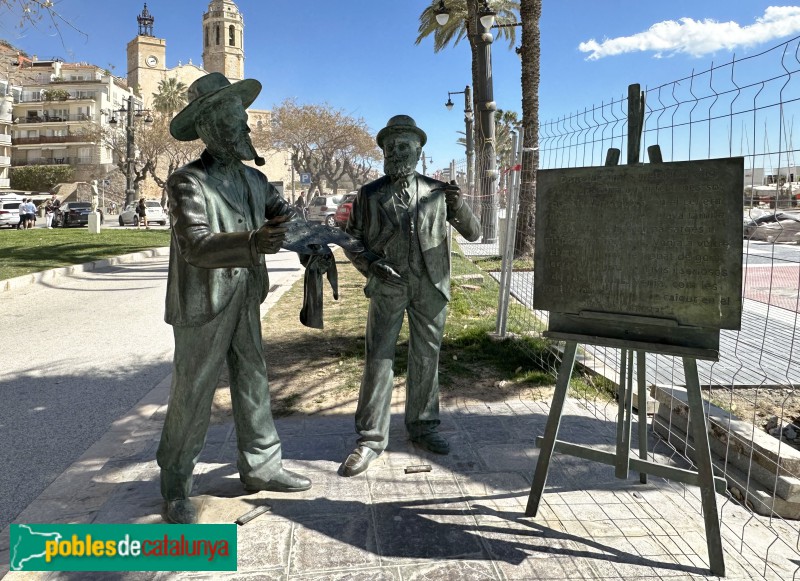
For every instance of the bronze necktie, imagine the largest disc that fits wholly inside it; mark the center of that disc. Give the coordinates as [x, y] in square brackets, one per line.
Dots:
[402, 192]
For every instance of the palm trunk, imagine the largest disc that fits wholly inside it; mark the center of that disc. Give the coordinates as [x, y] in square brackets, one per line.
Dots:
[530, 12]
[472, 31]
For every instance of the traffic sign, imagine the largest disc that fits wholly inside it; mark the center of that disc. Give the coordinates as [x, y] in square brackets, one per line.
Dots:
[305, 178]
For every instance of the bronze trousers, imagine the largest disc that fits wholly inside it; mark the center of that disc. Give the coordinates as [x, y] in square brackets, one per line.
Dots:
[427, 311]
[233, 336]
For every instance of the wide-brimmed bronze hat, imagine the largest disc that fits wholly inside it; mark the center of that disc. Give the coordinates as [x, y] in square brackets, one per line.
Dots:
[400, 123]
[210, 86]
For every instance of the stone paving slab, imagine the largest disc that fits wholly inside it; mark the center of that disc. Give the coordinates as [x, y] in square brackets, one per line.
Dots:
[463, 520]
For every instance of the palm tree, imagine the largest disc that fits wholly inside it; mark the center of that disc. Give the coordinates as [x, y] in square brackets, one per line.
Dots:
[171, 96]
[530, 12]
[462, 11]
[463, 23]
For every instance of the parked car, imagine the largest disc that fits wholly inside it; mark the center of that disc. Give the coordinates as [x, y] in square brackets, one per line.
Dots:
[769, 220]
[777, 227]
[9, 210]
[74, 214]
[321, 209]
[155, 214]
[343, 211]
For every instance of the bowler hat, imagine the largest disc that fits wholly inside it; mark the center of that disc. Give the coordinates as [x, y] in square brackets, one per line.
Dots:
[210, 86]
[398, 124]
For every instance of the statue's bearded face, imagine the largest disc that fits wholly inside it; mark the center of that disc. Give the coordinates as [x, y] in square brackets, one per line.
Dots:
[401, 153]
[224, 130]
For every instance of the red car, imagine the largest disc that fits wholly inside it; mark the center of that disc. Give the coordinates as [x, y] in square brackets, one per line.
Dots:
[343, 211]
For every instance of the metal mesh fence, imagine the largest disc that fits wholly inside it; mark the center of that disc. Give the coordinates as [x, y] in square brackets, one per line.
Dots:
[745, 107]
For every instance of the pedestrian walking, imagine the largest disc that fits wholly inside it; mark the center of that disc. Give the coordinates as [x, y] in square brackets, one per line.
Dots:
[300, 204]
[50, 208]
[28, 210]
[141, 211]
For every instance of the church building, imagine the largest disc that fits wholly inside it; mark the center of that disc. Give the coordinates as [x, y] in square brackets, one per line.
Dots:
[223, 51]
[222, 40]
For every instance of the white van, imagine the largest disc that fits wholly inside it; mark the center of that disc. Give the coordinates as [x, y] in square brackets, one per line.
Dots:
[9, 209]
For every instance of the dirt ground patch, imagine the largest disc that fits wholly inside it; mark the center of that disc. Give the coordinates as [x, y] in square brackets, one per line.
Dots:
[318, 371]
[774, 410]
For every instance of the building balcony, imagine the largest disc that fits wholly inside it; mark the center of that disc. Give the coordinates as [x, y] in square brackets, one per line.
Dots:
[41, 119]
[47, 161]
[5, 160]
[39, 99]
[43, 139]
[5, 183]
[5, 139]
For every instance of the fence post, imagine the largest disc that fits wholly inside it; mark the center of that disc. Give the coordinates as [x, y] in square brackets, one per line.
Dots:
[510, 236]
[450, 226]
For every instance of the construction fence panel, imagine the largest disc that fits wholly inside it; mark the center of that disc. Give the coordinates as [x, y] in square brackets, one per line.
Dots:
[747, 107]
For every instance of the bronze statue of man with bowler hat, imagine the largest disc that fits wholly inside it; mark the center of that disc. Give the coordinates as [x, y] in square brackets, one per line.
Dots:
[401, 220]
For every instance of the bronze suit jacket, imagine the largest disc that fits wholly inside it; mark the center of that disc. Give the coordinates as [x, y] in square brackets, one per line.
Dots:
[373, 221]
[212, 249]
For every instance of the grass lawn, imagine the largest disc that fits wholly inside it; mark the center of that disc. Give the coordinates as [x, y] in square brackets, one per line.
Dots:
[27, 251]
[319, 371]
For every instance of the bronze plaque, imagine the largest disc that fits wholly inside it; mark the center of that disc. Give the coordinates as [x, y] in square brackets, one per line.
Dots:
[657, 241]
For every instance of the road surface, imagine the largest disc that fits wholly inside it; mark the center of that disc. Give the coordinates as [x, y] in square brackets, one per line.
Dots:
[77, 354]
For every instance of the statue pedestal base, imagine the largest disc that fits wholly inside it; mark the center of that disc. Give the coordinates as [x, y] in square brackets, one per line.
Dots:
[94, 223]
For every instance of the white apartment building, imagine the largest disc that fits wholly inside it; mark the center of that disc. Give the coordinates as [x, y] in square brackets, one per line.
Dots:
[6, 106]
[60, 110]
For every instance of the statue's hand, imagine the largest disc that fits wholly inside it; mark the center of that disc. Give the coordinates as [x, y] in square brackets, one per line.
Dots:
[270, 236]
[327, 261]
[452, 197]
[385, 272]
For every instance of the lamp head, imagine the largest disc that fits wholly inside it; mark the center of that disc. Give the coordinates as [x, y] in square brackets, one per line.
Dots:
[442, 13]
[449, 104]
[486, 15]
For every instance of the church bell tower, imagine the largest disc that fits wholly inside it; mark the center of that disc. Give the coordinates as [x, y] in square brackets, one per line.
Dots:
[223, 40]
[146, 56]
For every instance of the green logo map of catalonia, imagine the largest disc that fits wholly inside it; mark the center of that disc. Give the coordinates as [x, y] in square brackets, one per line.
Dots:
[28, 545]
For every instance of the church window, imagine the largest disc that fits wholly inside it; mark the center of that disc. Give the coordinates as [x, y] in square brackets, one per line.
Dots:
[217, 29]
[231, 35]
[206, 35]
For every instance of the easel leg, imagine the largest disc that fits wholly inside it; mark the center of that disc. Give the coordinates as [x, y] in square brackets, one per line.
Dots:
[625, 397]
[641, 369]
[705, 469]
[551, 429]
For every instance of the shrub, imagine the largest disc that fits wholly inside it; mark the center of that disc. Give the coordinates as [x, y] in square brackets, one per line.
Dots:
[39, 178]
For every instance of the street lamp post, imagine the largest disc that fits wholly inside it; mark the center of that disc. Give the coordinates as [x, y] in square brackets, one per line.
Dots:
[130, 145]
[486, 107]
[425, 160]
[292, 162]
[469, 139]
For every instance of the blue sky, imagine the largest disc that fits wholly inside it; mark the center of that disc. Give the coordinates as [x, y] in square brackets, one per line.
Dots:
[360, 55]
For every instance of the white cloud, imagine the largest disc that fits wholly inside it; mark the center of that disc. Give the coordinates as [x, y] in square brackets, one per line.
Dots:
[700, 37]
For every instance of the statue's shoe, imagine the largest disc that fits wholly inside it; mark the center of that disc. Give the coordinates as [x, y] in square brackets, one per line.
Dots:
[433, 442]
[180, 512]
[357, 461]
[283, 481]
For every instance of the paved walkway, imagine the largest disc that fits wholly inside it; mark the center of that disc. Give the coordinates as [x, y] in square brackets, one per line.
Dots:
[463, 520]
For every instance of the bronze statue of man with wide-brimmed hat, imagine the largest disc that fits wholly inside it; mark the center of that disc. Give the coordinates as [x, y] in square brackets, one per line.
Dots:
[401, 222]
[217, 280]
